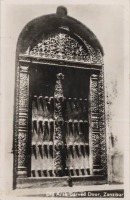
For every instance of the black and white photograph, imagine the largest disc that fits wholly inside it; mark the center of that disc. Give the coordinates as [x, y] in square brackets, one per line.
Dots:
[64, 99]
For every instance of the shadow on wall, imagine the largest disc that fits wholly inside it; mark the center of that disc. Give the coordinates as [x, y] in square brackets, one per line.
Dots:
[117, 167]
[115, 156]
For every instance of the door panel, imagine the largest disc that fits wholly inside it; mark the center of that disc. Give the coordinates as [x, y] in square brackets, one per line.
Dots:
[42, 136]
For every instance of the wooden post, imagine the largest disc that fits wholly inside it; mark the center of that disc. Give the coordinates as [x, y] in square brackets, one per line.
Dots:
[23, 120]
[102, 124]
[94, 116]
[58, 138]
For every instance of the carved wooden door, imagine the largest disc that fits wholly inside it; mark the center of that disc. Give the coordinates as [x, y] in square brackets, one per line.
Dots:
[59, 125]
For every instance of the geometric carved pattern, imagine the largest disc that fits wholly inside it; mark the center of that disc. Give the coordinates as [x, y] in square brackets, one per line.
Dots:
[63, 47]
[16, 121]
[23, 122]
[95, 120]
[94, 103]
[96, 149]
[23, 98]
[102, 125]
[22, 139]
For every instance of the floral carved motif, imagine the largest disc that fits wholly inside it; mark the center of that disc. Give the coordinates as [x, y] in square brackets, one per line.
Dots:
[23, 120]
[62, 46]
[23, 97]
[58, 139]
[96, 56]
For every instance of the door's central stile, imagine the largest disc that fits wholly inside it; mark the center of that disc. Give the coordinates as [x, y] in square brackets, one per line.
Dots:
[58, 137]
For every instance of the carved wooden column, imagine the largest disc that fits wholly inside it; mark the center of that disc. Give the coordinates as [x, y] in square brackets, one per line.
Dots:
[16, 122]
[58, 138]
[94, 115]
[102, 124]
[23, 120]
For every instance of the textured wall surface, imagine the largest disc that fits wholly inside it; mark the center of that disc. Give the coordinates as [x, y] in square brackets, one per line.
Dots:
[106, 21]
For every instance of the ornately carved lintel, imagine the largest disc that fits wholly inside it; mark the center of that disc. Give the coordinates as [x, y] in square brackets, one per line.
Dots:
[27, 59]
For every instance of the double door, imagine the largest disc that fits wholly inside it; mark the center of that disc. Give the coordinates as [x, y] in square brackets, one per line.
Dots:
[59, 122]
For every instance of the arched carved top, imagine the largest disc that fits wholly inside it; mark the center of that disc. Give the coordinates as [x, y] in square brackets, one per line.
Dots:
[62, 46]
[59, 36]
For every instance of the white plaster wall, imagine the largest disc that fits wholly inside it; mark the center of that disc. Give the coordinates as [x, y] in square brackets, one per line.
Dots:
[106, 21]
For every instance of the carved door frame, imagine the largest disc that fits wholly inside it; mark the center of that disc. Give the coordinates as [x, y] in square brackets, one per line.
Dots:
[97, 133]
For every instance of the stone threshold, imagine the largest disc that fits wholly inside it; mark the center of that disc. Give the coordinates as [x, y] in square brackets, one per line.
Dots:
[43, 182]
